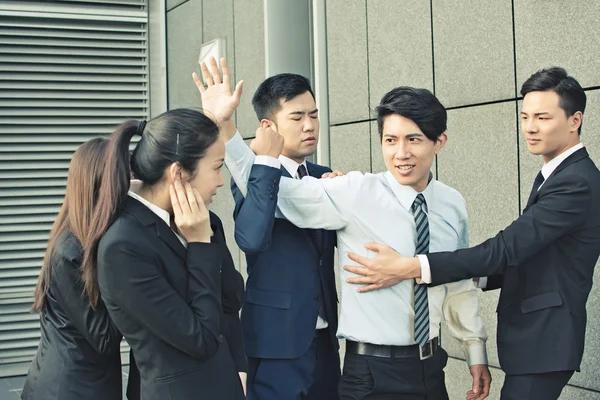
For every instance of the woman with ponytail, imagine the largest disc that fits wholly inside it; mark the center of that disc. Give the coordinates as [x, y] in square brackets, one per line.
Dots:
[79, 352]
[164, 270]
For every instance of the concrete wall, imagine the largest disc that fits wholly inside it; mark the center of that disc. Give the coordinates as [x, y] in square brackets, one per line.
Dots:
[473, 54]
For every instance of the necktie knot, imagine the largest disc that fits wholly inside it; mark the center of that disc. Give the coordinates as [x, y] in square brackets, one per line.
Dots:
[539, 179]
[419, 201]
[302, 172]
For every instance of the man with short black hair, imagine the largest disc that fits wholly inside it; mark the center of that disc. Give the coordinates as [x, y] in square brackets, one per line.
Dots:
[543, 262]
[289, 315]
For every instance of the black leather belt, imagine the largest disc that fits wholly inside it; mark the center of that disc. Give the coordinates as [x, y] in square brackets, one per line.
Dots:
[376, 350]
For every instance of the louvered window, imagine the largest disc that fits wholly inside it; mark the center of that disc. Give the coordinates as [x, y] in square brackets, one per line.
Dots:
[70, 70]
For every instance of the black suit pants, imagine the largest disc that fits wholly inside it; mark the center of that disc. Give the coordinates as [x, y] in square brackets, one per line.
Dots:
[535, 386]
[375, 378]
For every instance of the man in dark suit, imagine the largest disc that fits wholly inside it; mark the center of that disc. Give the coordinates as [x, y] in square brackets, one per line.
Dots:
[543, 262]
[289, 316]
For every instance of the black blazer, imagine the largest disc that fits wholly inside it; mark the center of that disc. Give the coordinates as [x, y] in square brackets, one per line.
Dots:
[544, 263]
[79, 352]
[177, 308]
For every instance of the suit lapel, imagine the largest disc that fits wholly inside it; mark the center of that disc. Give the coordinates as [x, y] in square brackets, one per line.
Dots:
[572, 159]
[166, 233]
[148, 218]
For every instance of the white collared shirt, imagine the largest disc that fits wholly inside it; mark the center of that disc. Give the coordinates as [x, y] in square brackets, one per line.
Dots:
[365, 208]
[551, 165]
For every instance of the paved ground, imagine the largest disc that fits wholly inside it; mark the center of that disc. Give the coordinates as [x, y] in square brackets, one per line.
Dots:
[10, 388]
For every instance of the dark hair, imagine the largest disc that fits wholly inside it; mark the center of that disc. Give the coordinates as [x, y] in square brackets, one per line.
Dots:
[571, 94]
[266, 100]
[178, 136]
[83, 183]
[418, 105]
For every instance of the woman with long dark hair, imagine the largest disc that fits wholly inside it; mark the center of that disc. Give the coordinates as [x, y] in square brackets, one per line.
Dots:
[165, 273]
[78, 356]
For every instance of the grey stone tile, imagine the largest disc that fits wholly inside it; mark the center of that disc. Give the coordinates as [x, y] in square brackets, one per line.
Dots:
[480, 161]
[347, 61]
[351, 147]
[184, 39]
[399, 41]
[174, 3]
[473, 51]
[249, 58]
[558, 33]
[217, 22]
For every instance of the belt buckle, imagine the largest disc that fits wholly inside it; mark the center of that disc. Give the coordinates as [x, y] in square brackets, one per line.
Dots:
[427, 351]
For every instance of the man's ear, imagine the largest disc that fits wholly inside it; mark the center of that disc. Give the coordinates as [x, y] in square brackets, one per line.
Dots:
[575, 121]
[267, 123]
[440, 142]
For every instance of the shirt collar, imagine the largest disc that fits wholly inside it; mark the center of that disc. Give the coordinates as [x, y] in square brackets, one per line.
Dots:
[291, 166]
[162, 214]
[407, 195]
[551, 165]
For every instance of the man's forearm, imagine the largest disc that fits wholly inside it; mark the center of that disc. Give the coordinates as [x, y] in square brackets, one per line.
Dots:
[227, 129]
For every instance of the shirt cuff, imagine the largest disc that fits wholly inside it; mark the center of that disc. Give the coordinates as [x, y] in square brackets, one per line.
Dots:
[480, 283]
[235, 147]
[268, 161]
[475, 353]
[425, 269]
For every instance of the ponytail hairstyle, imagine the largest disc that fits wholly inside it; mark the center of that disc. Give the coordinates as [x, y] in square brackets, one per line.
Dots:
[75, 215]
[178, 136]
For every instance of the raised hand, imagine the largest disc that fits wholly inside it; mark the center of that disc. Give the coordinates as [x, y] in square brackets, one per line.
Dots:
[191, 215]
[267, 143]
[218, 101]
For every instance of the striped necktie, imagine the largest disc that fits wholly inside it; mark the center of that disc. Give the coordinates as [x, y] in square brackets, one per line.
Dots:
[421, 301]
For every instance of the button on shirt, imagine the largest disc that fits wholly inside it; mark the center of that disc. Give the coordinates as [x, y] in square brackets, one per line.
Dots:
[376, 208]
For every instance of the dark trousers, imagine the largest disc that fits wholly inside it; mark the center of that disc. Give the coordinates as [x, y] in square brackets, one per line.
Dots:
[313, 376]
[535, 386]
[375, 378]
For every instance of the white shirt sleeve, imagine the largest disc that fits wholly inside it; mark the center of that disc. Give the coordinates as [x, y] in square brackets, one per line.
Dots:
[461, 312]
[307, 203]
[481, 283]
[268, 161]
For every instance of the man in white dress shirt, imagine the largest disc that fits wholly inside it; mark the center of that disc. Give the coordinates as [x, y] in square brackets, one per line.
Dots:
[392, 345]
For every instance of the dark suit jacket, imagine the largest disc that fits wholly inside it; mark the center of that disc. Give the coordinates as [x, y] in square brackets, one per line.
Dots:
[544, 262]
[79, 352]
[285, 271]
[177, 308]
